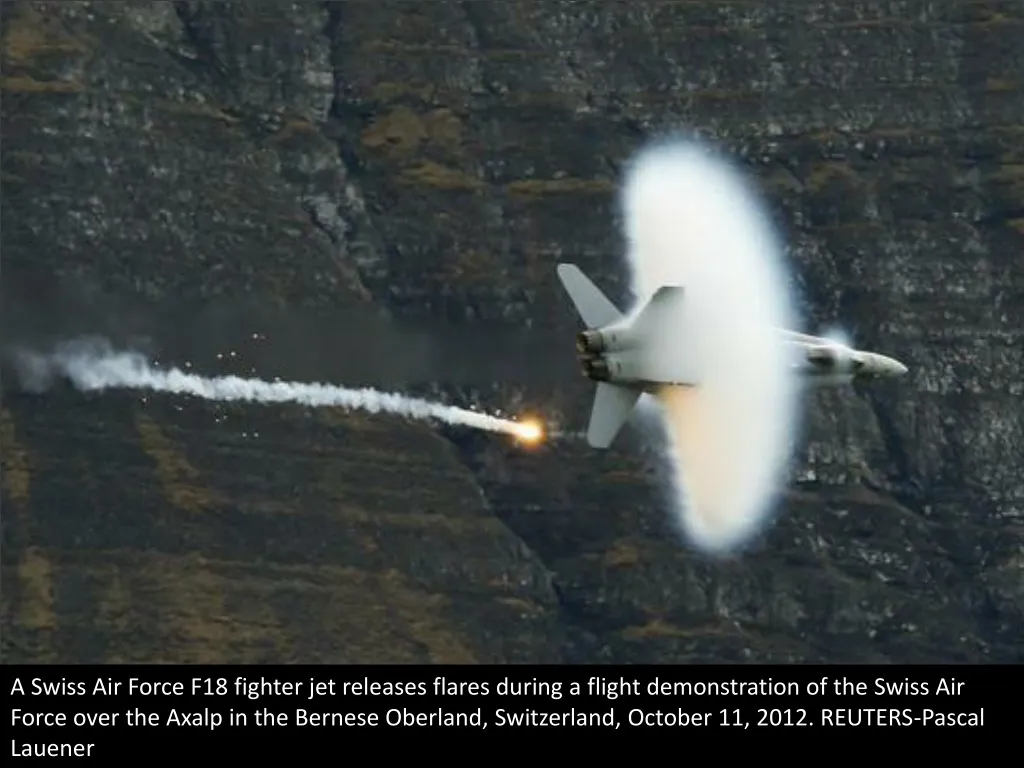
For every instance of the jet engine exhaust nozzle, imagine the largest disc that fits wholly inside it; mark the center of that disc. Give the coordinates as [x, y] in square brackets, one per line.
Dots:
[590, 342]
[596, 369]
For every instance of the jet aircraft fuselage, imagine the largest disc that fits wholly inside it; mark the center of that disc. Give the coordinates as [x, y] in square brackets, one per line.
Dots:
[628, 356]
[818, 360]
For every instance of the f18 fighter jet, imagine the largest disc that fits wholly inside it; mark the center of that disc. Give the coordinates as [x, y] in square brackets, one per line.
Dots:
[622, 353]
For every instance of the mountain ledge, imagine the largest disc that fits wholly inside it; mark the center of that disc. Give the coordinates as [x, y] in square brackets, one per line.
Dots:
[233, 183]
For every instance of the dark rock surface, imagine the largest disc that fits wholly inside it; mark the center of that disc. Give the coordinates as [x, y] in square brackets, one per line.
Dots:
[378, 192]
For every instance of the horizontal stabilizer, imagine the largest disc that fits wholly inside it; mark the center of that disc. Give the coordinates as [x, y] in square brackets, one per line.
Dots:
[612, 408]
[593, 306]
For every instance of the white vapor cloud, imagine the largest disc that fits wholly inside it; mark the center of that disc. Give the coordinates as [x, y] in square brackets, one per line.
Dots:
[92, 365]
[692, 220]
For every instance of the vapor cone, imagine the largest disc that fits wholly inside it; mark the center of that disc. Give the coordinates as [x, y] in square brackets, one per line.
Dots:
[691, 220]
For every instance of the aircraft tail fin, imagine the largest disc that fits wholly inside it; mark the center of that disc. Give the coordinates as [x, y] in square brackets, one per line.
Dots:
[612, 407]
[594, 307]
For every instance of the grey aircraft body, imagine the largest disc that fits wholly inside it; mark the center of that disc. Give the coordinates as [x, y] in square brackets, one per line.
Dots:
[621, 353]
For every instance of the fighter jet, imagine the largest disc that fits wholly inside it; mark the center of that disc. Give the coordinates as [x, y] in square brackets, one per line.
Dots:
[620, 353]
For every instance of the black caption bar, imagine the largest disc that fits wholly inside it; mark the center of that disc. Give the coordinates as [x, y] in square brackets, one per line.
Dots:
[107, 712]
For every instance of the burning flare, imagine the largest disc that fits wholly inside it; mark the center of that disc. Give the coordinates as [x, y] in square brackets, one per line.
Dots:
[530, 431]
[93, 365]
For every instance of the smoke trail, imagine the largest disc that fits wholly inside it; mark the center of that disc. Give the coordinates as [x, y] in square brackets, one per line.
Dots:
[93, 365]
[692, 221]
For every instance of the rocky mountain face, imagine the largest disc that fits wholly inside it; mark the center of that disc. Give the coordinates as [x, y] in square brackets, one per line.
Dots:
[377, 193]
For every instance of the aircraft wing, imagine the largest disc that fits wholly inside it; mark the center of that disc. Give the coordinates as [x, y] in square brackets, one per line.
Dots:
[667, 338]
[800, 338]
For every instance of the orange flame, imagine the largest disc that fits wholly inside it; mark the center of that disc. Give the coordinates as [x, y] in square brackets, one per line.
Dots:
[530, 431]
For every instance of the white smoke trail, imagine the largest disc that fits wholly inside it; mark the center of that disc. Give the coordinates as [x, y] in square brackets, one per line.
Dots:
[95, 365]
[693, 221]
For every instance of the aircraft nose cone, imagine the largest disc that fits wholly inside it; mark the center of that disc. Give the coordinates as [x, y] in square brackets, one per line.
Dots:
[892, 367]
[880, 365]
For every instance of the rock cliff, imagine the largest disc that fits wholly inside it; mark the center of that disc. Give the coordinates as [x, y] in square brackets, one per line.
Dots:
[377, 193]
